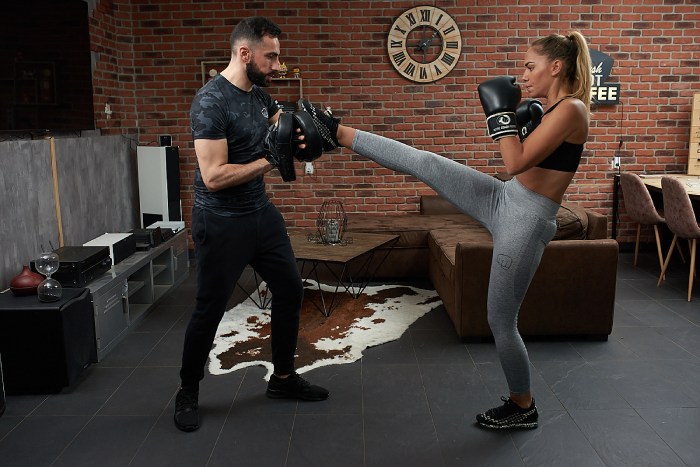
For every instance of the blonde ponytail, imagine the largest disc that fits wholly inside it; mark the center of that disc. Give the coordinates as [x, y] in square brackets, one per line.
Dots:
[583, 77]
[573, 51]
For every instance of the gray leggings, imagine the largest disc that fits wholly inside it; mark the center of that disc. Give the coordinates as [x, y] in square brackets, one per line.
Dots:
[521, 223]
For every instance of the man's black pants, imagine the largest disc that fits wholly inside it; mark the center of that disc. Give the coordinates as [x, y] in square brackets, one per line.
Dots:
[223, 248]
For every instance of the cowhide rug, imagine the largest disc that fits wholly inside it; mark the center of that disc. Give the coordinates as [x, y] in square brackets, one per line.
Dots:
[380, 314]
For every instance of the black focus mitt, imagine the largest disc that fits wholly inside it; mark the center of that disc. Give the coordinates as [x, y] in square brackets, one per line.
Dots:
[313, 145]
[279, 147]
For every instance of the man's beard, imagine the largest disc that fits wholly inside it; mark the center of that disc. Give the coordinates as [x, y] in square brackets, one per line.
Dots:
[256, 76]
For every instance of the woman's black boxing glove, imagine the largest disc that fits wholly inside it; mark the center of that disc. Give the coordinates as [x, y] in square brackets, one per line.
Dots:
[528, 115]
[499, 98]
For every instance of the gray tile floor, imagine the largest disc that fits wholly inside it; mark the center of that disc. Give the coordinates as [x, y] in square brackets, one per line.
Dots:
[633, 400]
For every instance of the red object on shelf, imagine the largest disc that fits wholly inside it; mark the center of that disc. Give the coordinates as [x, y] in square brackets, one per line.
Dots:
[26, 282]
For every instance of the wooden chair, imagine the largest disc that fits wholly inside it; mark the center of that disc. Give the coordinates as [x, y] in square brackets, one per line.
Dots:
[680, 219]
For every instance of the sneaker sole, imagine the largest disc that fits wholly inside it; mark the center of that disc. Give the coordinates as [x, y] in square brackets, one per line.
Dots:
[522, 426]
[283, 395]
[186, 428]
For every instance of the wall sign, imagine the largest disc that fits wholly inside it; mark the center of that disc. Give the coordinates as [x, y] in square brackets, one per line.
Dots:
[602, 93]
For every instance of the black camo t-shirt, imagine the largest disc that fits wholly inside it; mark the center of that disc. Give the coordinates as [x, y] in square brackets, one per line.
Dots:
[220, 110]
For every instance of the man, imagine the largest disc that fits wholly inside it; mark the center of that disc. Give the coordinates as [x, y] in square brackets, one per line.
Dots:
[233, 221]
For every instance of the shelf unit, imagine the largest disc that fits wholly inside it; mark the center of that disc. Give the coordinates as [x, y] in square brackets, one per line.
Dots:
[694, 149]
[126, 293]
[287, 90]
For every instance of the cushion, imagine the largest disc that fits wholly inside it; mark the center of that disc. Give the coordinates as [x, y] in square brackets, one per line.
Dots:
[572, 222]
[412, 229]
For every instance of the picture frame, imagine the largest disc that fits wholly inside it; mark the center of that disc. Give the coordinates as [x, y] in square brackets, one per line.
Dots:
[209, 66]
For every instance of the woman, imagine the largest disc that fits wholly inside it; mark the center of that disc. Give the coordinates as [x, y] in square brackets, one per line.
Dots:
[520, 213]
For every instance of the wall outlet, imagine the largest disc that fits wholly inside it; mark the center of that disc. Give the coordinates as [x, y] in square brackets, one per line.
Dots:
[616, 162]
[309, 168]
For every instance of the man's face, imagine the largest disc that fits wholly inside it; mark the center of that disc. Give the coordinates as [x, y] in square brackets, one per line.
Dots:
[265, 63]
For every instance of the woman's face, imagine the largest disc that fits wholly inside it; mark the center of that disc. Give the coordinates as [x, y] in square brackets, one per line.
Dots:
[537, 76]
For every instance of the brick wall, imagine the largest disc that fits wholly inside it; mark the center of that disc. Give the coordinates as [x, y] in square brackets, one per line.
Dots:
[149, 66]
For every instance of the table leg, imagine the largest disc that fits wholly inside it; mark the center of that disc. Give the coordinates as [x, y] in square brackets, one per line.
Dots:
[364, 272]
[323, 308]
[264, 299]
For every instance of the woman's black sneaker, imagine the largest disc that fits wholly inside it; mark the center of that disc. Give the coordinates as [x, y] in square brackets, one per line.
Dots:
[295, 387]
[509, 415]
[186, 410]
[326, 123]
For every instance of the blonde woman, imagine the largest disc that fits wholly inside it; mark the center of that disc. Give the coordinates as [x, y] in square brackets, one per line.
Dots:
[541, 147]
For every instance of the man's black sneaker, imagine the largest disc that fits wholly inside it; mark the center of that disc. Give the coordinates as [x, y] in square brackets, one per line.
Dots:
[509, 415]
[295, 387]
[186, 410]
[326, 124]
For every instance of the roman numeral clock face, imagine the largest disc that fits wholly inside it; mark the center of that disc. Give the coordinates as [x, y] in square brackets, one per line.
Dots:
[424, 44]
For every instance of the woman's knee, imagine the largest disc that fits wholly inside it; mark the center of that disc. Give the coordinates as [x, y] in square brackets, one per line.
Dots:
[503, 328]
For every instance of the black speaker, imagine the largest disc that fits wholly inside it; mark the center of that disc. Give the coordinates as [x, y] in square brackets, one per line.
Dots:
[46, 346]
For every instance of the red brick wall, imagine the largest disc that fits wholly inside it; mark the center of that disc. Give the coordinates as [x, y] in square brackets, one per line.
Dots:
[150, 53]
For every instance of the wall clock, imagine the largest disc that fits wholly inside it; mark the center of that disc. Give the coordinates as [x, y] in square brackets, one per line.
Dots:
[424, 44]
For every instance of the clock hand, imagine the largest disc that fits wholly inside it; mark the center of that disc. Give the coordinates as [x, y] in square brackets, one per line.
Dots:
[424, 44]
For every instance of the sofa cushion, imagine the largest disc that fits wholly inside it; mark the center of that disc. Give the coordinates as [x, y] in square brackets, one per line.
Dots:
[412, 230]
[572, 222]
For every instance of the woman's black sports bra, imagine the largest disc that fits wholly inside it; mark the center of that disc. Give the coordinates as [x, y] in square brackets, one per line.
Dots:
[566, 157]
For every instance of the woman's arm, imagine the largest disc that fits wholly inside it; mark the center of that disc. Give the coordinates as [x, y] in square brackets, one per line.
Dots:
[568, 122]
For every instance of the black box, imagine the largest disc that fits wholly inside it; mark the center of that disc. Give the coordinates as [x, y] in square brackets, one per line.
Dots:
[121, 245]
[45, 346]
[80, 265]
[147, 238]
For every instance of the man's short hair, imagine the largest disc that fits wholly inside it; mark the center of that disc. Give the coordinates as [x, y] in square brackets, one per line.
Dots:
[253, 30]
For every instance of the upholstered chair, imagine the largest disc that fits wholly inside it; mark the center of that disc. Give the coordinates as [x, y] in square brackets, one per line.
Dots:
[680, 219]
[640, 208]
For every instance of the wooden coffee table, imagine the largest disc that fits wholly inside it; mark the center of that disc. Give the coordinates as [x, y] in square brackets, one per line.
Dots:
[359, 247]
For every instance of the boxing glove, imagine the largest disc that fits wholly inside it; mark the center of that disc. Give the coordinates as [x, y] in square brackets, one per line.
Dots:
[313, 143]
[528, 115]
[279, 146]
[499, 98]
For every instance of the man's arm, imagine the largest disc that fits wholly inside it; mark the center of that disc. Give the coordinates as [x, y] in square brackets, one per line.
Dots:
[217, 173]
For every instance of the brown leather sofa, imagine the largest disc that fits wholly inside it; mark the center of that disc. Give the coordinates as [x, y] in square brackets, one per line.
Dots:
[572, 293]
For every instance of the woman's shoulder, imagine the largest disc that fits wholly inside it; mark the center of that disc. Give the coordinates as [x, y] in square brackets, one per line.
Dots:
[569, 104]
[568, 118]
[570, 109]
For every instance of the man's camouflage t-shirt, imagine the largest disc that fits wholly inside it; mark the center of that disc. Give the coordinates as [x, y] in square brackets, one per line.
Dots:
[220, 110]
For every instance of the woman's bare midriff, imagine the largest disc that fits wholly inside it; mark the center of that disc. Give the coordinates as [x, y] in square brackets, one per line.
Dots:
[550, 183]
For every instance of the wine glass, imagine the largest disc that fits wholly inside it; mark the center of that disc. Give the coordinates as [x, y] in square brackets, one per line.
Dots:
[50, 289]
